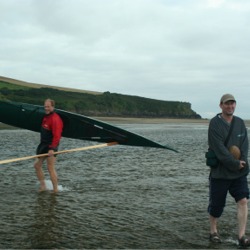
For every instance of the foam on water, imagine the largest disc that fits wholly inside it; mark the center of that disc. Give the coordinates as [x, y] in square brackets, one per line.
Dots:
[49, 186]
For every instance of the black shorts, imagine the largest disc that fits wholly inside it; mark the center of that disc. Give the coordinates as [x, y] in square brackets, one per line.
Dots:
[218, 189]
[44, 149]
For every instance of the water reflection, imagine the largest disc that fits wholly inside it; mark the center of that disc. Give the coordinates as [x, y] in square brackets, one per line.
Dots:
[46, 222]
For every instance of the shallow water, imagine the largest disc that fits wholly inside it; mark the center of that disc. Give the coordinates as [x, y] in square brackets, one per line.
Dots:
[113, 197]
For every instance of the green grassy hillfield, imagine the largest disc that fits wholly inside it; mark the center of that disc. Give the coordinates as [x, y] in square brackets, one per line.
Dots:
[93, 103]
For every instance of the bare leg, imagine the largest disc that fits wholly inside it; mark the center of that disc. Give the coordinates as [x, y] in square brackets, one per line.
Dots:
[213, 224]
[39, 172]
[53, 175]
[242, 216]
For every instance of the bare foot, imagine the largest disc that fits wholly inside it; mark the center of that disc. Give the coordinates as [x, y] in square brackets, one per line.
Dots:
[55, 191]
[42, 189]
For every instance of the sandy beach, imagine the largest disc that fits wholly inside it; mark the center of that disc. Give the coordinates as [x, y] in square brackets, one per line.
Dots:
[157, 120]
[150, 120]
[5, 126]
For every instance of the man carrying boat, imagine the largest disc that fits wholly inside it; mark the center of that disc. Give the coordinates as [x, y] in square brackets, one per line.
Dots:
[51, 130]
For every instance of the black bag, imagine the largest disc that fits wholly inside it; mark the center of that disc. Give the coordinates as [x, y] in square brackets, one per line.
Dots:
[211, 159]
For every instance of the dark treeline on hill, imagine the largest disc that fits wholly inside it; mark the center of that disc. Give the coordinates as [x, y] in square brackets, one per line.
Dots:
[104, 104]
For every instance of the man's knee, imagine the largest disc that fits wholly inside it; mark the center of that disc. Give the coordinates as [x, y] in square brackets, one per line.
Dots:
[38, 164]
[242, 202]
[215, 211]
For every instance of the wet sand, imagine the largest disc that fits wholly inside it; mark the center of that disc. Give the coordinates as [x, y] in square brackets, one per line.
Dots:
[157, 120]
[150, 120]
[5, 126]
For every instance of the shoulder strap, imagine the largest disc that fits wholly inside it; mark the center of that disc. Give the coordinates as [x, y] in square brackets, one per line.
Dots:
[230, 132]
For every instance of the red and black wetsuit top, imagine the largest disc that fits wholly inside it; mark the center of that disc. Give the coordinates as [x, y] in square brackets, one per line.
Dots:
[51, 130]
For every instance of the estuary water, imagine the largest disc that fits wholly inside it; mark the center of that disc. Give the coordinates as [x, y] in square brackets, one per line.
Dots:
[118, 197]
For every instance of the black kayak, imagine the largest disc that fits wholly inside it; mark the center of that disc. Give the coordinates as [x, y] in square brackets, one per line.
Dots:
[29, 116]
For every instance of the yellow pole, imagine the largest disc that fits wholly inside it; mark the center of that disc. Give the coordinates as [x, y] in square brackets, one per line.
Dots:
[59, 152]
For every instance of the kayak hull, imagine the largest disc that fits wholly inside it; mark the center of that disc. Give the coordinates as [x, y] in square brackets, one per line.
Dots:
[76, 126]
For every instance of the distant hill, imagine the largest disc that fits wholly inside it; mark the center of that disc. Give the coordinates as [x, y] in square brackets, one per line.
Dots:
[93, 103]
[37, 86]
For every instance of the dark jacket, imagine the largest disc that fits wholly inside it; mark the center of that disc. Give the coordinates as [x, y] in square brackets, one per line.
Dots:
[228, 167]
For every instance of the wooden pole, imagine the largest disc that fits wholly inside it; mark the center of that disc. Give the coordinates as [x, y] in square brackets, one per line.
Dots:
[59, 152]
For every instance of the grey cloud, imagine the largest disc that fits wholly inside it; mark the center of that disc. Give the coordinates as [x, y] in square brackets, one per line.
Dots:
[171, 50]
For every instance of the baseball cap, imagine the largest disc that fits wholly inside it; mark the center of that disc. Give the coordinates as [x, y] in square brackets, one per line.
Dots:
[226, 98]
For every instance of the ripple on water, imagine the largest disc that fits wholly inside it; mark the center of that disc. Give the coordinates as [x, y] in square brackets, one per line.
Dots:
[114, 197]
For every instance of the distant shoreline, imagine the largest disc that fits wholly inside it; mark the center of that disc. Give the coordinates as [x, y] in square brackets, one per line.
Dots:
[150, 120]
[129, 120]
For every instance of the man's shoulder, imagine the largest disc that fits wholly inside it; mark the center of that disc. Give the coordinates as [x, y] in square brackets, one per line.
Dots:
[56, 116]
[239, 121]
[216, 118]
[238, 118]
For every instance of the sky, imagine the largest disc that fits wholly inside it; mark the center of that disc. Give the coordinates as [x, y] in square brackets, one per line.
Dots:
[174, 50]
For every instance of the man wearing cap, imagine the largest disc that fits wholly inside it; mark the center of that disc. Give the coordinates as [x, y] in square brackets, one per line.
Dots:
[230, 174]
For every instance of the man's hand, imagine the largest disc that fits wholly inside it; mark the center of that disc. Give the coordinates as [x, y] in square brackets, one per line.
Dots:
[242, 164]
[51, 152]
